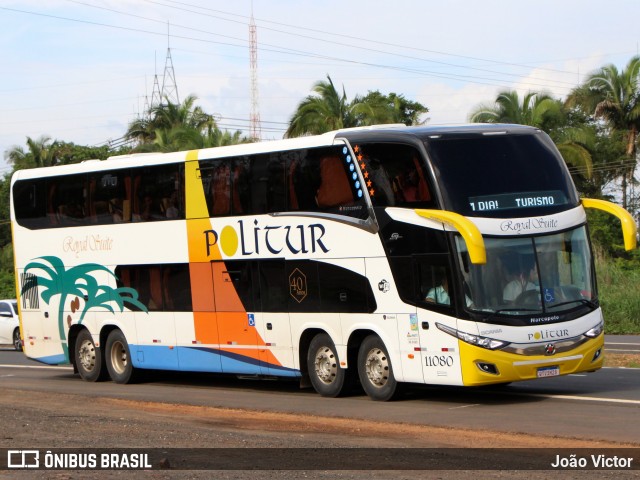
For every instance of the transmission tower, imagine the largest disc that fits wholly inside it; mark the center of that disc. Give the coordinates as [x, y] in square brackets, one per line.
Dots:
[156, 94]
[253, 62]
[169, 85]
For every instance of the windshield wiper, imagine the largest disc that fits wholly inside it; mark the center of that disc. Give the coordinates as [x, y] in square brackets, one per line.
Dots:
[502, 310]
[584, 301]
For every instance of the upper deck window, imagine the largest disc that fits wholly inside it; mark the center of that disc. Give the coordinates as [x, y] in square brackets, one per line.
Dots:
[394, 175]
[320, 179]
[501, 175]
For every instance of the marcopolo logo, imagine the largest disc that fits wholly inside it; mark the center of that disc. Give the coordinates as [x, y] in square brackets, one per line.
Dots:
[260, 239]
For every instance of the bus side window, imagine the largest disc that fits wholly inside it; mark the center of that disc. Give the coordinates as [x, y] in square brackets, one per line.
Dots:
[220, 191]
[335, 189]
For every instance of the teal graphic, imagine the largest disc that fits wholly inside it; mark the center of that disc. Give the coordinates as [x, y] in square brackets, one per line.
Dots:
[76, 283]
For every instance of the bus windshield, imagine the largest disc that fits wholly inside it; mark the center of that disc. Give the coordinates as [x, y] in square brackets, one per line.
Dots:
[545, 275]
[512, 168]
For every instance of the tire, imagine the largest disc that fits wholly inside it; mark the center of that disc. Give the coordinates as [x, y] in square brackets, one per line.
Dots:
[326, 376]
[375, 370]
[17, 343]
[118, 358]
[88, 358]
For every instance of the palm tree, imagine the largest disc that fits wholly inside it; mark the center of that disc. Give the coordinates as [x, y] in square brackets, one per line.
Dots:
[40, 152]
[323, 112]
[329, 110]
[614, 96]
[169, 116]
[76, 282]
[534, 110]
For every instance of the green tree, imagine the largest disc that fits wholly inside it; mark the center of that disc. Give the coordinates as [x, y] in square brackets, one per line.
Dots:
[169, 116]
[39, 153]
[614, 96]
[392, 108]
[327, 109]
[170, 127]
[535, 109]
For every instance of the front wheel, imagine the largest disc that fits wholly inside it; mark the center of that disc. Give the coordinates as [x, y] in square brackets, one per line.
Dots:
[17, 343]
[375, 370]
[88, 358]
[118, 358]
[326, 376]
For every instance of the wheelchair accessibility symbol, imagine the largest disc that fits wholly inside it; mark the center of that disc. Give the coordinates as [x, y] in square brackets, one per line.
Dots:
[549, 297]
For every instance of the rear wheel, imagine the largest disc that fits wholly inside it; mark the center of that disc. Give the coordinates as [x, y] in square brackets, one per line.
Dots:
[326, 376]
[88, 357]
[375, 371]
[17, 343]
[118, 358]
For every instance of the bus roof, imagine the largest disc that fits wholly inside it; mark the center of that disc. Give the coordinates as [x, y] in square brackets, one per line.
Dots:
[391, 130]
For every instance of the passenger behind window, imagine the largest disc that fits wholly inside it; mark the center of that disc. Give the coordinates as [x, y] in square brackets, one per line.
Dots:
[221, 190]
[440, 293]
[150, 209]
[171, 209]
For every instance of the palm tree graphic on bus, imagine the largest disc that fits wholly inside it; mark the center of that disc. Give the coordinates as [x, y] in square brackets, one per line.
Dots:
[77, 282]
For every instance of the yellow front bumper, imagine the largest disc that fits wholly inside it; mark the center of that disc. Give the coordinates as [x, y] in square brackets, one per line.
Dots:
[512, 367]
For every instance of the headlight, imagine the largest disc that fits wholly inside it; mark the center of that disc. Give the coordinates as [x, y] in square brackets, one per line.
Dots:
[478, 341]
[595, 331]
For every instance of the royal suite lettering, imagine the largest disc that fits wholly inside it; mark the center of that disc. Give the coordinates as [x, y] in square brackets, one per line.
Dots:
[274, 239]
[595, 461]
[527, 225]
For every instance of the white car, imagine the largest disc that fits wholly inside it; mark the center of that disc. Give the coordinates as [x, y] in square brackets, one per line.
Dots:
[9, 324]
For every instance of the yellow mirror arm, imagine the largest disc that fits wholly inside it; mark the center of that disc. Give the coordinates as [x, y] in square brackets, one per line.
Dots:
[466, 228]
[629, 227]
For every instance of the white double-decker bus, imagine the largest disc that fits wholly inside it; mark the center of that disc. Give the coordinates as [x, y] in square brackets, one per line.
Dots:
[384, 255]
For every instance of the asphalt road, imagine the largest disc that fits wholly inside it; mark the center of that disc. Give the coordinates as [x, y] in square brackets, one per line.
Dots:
[604, 405]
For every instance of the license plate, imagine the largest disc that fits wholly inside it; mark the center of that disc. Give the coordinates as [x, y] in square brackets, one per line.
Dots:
[548, 371]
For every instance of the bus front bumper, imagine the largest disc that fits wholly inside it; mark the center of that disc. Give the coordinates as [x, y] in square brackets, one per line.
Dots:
[485, 367]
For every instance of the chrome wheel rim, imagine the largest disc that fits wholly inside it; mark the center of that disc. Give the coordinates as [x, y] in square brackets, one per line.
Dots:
[87, 355]
[326, 365]
[377, 367]
[17, 344]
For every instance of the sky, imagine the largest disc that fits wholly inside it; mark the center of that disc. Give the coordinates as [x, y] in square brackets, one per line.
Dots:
[81, 70]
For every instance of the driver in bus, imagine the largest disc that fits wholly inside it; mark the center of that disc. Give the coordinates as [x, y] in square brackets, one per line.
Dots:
[523, 279]
[440, 294]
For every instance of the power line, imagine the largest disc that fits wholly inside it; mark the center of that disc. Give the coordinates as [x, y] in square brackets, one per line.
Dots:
[289, 51]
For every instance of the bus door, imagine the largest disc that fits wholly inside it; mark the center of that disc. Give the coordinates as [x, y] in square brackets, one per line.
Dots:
[439, 351]
[32, 312]
[273, 323]
[234, 291]
[155, 329]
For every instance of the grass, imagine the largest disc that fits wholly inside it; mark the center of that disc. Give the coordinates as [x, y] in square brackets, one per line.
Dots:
[619, 291]
[621, 360]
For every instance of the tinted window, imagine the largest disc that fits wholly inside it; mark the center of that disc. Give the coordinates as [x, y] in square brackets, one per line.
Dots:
[5, 308]
[273, 292]
[109, 197]
[343, 290]
[310, 180]
[30, 203]
[68, 203]
[157, 193]
[159, 287]
[394, 175]
[113, 196]
[501, 175]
